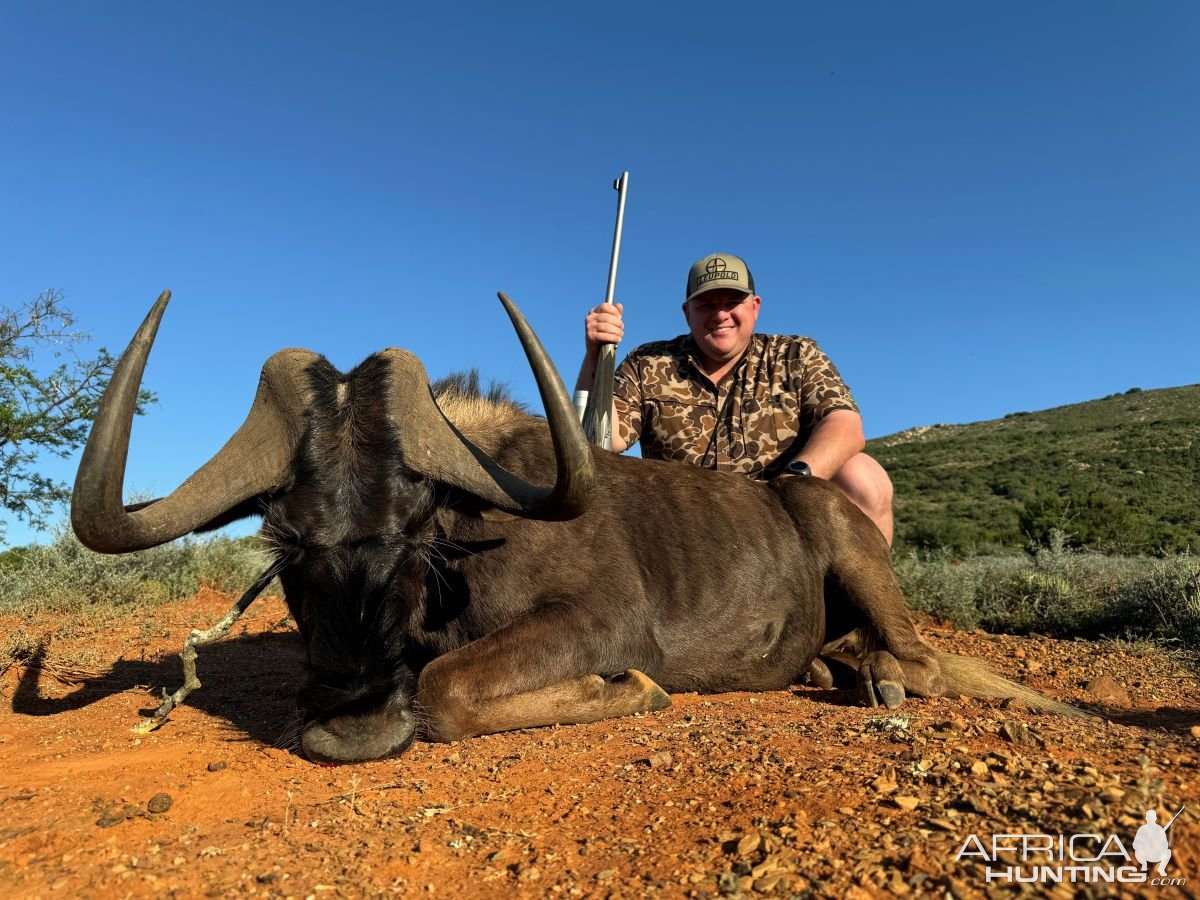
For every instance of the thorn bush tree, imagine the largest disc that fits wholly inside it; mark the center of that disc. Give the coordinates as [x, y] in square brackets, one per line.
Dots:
[46, 412]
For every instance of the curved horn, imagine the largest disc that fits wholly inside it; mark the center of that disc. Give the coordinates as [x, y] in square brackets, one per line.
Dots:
[429, 443]
[255, 460]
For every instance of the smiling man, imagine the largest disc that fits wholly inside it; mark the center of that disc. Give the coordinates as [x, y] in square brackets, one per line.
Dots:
[723, 397]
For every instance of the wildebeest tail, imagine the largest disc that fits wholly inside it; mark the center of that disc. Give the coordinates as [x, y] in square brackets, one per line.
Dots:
[970, 677]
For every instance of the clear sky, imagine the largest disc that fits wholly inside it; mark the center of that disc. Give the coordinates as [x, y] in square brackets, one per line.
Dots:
[975, 208]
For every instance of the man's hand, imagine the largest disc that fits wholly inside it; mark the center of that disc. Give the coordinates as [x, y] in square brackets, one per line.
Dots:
[603, 325]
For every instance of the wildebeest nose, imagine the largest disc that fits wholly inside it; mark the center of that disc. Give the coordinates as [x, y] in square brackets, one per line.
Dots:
[347, 739]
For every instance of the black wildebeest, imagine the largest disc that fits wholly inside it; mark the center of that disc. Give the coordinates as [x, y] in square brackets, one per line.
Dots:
[435, 583]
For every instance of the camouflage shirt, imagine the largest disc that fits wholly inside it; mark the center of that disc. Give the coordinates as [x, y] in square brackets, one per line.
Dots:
[780, 389]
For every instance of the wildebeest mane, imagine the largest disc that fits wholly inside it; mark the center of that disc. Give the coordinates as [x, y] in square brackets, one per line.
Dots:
[475, 411]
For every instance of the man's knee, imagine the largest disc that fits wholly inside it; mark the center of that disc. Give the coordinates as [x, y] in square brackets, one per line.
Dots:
[865, 482]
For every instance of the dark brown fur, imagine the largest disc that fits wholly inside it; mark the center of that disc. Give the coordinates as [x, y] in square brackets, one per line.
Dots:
[700, 580]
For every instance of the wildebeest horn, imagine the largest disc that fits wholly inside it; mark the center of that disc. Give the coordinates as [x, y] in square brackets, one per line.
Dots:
[255, 460]
[430, 444]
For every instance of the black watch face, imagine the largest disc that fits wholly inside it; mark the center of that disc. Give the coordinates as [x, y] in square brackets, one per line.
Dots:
[798, 467]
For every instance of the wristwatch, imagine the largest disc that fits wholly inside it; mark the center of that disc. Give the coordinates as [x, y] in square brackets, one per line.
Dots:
[797, 467]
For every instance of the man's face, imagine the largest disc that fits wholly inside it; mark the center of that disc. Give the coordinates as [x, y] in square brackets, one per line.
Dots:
[722, 322]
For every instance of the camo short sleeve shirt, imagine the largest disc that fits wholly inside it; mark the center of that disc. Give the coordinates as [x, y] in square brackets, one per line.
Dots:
[782, 387]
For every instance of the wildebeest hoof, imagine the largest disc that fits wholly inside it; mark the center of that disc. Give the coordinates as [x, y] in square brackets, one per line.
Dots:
[880, 678]
[654, 698]
[888, 693]
[891, 694]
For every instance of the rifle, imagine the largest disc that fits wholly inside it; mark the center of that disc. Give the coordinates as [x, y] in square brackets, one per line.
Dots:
[597, 416]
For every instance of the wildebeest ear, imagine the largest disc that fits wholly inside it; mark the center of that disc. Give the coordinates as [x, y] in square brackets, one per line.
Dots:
[492, 514]
[252, 506]
[466, 504]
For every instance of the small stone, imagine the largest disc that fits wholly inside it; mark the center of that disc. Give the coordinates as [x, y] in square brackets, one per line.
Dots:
[908, 804]
[885, 783]
[749, 844]
[772, 865]
[116, 816]
[109, 819]
[1195, 731]
[1018, 733]
[767, 883]
[659, 760]
[1108, 691]
[159, 803]
[979, 769]
[727, 883]
[217, 765]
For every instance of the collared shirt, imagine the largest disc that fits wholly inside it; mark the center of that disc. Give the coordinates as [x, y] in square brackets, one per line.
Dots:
[781, 388]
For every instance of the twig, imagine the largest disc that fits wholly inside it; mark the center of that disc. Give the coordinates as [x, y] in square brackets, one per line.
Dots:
[199, 639]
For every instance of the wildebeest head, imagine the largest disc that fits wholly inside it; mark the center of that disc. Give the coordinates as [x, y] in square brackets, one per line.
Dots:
[347, 471]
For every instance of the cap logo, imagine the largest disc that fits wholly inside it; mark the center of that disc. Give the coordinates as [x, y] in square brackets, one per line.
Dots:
[717, 269]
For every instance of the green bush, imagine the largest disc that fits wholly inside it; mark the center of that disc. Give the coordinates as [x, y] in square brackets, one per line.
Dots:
[66, 576]
[1060, 592]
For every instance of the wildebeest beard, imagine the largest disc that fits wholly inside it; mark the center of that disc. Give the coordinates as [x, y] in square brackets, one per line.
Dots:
[358, 532]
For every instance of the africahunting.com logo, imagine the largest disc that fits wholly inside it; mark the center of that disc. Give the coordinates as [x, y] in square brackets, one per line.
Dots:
[1074, 858]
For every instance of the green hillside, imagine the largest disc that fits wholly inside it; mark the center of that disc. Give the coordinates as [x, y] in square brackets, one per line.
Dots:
[1121, 473]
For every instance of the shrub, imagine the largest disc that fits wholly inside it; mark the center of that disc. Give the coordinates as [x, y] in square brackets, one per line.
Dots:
[1061, 593]
[66, 576]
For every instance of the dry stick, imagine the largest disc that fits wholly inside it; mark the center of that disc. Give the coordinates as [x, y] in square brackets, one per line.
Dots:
[198, 639]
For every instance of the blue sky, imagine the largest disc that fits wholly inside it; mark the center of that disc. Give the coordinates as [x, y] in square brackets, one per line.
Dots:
[976, 209]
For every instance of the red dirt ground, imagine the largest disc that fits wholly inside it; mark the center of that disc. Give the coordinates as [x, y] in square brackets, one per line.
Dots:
[800, 792]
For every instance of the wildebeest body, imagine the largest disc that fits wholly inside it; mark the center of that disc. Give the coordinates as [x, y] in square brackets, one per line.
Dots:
[699, 579]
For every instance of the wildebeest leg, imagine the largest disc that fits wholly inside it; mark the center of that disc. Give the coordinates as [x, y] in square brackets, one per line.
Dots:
[889, 654]
[543, 669]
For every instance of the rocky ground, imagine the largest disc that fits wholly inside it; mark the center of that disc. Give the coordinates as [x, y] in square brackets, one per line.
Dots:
[800, 792]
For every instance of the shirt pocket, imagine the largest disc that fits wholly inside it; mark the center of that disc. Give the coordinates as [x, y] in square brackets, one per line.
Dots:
[785, 425]
[681, 430]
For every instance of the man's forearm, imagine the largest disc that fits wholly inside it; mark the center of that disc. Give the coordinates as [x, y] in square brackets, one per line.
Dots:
[585, 382]
[833, 440]
[587, 371]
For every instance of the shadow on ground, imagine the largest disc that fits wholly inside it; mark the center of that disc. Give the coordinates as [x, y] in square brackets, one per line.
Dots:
[249, 681]
[1175, 719]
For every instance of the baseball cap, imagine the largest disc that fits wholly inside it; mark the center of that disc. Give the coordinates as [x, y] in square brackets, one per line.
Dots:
[719, 270]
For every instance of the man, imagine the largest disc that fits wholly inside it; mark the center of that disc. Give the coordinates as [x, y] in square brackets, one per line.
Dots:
[1150, 844]
[726, 398]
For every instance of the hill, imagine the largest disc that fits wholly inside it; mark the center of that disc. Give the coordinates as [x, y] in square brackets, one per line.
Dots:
[1119, 473]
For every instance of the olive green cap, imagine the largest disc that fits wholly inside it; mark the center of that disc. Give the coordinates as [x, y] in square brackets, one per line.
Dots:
[719, 270]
